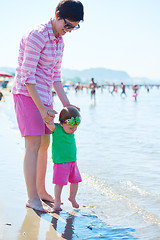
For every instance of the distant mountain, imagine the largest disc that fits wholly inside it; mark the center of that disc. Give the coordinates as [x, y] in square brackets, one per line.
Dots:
[101, 75]
[143, 80]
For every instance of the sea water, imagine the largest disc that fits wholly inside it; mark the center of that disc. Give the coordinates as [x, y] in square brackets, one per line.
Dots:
[119, 158]
[118, 143]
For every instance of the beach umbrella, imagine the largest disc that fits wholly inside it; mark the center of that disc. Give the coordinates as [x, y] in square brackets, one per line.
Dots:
[5, 74]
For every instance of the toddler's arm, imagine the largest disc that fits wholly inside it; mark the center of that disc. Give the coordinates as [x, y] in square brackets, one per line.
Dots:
[51, 126]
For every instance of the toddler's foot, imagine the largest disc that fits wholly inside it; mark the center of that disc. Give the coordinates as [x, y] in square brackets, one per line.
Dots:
[39, 205]
[74, 203]
[57, 206]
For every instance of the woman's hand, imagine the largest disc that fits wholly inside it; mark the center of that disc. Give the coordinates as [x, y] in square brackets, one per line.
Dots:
[73, 106]
[48, 114]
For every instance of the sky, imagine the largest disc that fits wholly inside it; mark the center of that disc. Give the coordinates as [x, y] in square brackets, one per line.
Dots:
[116, 34]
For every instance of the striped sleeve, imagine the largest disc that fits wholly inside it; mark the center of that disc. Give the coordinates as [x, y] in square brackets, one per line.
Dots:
[57, 67]
[33, 45]
[57, 72]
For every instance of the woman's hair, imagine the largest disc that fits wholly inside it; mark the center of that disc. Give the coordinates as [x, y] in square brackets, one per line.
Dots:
[67, 113]
[71, 10]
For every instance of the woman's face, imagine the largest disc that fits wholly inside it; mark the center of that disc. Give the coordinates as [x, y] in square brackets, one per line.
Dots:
[62, 26]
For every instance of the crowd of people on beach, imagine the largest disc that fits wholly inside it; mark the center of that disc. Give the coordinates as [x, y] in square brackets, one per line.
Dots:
[123, 88]
[112, 88]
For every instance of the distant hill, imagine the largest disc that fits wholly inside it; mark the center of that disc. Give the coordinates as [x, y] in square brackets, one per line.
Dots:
[101, 76]
[143, 80]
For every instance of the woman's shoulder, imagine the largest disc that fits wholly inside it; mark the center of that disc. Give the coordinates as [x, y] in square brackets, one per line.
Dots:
[38, 31]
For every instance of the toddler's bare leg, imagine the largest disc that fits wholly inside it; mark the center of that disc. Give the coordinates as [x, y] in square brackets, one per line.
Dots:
[57, 201]
[73, 193]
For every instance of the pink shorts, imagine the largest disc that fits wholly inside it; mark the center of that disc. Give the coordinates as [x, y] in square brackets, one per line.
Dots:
[135, 95]
[28, 116]
[66, 172]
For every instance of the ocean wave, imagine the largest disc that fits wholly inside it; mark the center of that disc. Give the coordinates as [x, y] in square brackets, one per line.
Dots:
[134, 188]
[107, 190]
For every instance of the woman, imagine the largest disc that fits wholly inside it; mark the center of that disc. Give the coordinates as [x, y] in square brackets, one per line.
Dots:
[39, 68]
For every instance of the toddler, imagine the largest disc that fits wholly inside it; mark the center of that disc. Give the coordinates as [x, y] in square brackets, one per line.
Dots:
[64, 155]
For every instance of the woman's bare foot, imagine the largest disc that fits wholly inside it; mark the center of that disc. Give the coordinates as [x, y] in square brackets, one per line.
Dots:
[39, 205]
[46, 197]
[74, 203]
[57, 206]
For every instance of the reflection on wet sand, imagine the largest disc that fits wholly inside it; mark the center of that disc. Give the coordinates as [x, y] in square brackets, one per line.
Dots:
[70, 226]
[30, 228]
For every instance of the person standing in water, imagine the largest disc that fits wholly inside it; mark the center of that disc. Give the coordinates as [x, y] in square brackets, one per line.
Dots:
[93, 86]
[114, 89]
[135, 89]
[123, 89]
[39, 69]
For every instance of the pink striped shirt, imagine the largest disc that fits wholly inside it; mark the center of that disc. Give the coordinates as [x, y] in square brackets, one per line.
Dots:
[39, 62]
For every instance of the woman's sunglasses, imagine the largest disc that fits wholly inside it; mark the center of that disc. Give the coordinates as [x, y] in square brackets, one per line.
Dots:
[68, 25]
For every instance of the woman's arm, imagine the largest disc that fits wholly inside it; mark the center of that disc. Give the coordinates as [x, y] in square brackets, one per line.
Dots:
[61, 94]
[41, 107]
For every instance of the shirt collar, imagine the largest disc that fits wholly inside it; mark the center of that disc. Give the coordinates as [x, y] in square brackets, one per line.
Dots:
[50, 32]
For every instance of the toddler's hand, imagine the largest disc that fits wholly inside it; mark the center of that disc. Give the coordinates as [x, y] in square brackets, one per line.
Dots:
[51, 126]
[52, 113]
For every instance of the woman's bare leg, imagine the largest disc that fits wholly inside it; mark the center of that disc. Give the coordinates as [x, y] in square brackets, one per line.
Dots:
[32, 144]
[42, 167]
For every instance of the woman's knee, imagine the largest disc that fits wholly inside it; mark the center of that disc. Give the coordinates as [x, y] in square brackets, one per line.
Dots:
[45, 141]
[33, 142]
